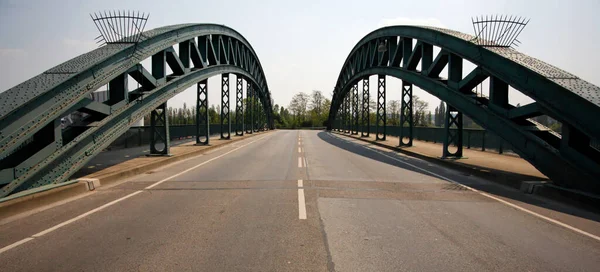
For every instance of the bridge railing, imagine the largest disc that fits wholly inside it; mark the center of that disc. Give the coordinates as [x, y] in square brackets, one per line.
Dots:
[140, 136]
[472, 138]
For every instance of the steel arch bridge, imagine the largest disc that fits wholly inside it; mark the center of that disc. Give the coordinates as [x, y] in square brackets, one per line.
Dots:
[36, 151]
[406, 53]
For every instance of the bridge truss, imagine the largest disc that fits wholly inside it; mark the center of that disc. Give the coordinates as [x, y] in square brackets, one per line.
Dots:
[569, 159]
[36, 151]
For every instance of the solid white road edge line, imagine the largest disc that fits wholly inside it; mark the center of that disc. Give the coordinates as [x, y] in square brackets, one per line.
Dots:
[51, 229]
[595, 237]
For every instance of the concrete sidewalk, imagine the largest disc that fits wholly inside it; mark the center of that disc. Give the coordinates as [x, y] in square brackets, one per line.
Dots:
[508, 168]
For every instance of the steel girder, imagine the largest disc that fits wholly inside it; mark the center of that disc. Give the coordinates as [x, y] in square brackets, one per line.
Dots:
[202, 116]
[225, 116]
[406, 114]
[239, 106]
[366, 118]
[37, 104]
[569, 162]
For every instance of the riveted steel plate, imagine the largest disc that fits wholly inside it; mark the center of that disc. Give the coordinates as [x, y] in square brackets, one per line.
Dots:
[87, 60]
[29, 89]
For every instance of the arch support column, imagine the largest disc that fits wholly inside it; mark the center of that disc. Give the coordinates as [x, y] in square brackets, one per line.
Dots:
[355, 114]
[159, 131]
[406, 114]
[453, 133]
[239, 106]
[381, 115]
[202, 119]
[347, 114]
[255, 112]
[225, 117]
[249, 97]
[366, 120]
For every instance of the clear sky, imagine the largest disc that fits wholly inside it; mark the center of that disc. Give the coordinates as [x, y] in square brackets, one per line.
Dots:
[302, 45]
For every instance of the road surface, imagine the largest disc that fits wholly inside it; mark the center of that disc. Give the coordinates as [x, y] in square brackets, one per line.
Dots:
[302, 201]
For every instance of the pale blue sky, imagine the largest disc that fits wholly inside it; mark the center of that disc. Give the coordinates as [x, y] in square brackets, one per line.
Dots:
[301, 44]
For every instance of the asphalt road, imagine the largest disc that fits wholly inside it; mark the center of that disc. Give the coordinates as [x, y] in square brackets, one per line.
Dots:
[303, 201]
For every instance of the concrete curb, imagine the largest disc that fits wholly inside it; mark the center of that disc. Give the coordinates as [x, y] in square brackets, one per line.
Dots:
[37, 200]
[507, 178]
[34, 201]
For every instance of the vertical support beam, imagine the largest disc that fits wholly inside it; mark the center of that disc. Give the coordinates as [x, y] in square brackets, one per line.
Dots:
[453, 136]
[573, 138]
[118, 90]
[381, 115]
[406, 114]
[202, 117]
[407, 49]
[427, 57]
[249, 98]
[366, 121]
[455, 68]
[158, 67]
[498, 92]
[239, 106]
[225, 120]
[159, 131]
[184, 55]
[355, 109]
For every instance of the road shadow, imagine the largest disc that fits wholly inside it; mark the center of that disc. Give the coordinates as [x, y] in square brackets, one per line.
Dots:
[567, 206]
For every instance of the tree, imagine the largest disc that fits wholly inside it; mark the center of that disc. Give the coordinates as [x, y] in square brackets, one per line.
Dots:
[428, 123]
[419, 111]
[440, 118]
[316, 102]
[299, 106]
[393, 109]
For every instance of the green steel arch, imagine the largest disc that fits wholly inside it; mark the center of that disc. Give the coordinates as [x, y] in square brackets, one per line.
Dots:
[569, 159]
[33, 149]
